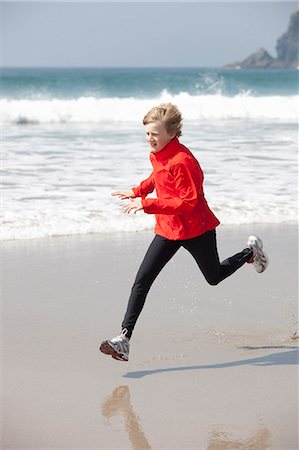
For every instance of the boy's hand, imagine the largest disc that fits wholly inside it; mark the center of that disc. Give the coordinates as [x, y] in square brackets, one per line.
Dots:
[134, 206]
[123, 195]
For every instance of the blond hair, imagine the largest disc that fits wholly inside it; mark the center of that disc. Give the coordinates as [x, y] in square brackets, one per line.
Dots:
[168, 114]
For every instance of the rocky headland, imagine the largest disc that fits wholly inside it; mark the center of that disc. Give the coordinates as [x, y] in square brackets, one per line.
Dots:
[286, 49]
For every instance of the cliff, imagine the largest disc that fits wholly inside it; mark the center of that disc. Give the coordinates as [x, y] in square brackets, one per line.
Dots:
[286, 48]
[287, 44]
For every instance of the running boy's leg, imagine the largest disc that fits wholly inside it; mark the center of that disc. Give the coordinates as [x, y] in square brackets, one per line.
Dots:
[204, 249]
[158, 254]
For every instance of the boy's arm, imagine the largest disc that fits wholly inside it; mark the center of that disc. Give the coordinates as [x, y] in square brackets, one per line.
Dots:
[146, 187]
[187, 193]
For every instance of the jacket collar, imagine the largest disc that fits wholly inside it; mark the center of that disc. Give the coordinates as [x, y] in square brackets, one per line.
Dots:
[168, 150]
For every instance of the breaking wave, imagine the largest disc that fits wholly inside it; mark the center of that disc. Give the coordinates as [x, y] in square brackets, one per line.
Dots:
[194, 107]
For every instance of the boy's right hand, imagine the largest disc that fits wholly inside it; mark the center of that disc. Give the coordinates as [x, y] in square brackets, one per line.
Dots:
[123, 195]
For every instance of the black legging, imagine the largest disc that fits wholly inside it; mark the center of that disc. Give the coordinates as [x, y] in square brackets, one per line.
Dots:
[204, 250]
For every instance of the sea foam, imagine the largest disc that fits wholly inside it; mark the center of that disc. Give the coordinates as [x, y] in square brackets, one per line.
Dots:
[50, 223]
[243, 106]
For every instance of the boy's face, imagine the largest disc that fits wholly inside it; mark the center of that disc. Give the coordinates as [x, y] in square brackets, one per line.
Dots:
[157, 136]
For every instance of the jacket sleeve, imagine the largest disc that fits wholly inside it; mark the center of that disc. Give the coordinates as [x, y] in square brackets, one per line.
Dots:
[146, 187]
[186, 192]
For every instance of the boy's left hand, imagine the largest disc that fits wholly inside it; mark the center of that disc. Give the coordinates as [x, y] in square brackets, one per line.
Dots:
[134, 205]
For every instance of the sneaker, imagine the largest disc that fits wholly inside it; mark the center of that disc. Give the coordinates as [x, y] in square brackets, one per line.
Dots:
[117, 347]
[260, 259]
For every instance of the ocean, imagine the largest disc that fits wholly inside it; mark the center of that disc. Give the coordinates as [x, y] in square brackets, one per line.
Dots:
[70, 137]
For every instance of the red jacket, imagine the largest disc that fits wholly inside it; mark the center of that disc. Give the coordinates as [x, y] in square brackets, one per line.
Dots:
[181, 209]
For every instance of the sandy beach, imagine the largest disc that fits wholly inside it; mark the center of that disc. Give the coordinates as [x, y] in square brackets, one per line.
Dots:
[211, 368]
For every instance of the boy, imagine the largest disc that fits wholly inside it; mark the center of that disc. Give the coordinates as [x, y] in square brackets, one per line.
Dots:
[183, 219]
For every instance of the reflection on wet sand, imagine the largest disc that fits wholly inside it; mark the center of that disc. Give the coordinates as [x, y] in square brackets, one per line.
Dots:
[219, 440]
[119, 403]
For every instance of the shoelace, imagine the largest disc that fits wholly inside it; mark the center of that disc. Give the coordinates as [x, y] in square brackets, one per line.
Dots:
[121, 336]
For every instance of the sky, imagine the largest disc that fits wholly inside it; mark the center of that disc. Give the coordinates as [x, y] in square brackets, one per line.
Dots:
[138, 34]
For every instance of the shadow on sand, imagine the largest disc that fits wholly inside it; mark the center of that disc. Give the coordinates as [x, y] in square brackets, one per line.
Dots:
[273, 359]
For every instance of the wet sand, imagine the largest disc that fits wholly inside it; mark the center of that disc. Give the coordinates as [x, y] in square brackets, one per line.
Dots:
[211, 367]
